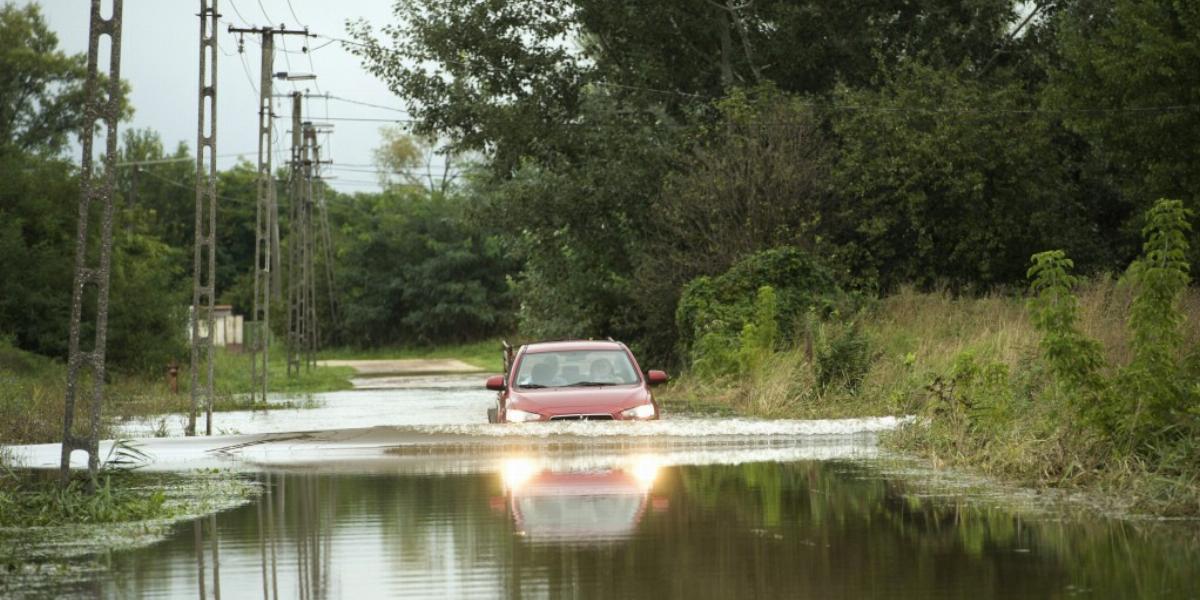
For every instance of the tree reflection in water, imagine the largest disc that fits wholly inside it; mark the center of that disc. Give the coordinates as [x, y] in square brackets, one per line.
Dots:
[815, 529]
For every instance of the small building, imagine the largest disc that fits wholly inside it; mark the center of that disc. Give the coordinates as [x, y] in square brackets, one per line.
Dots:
[228, 327]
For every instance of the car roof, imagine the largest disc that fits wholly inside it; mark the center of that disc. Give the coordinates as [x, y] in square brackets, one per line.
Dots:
[572, 345]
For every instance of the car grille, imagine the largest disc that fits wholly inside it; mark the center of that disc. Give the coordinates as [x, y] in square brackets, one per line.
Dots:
[600, 417]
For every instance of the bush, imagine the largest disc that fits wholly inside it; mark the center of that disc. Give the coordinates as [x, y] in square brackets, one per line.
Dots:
[842, 356]
[724, 304]
[1150, 401]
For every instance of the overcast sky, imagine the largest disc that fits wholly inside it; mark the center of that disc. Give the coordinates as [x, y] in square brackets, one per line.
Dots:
[160, 60]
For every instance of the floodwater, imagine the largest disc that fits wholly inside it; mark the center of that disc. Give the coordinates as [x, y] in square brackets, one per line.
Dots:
[683, 508]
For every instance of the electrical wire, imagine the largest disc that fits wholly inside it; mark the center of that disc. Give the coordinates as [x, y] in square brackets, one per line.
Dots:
[289, 3]
[239, 13]
[367, 104]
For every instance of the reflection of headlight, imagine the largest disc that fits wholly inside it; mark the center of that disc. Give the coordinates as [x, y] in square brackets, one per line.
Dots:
[645, 470]
[645, 411]
[516, 471]
[520, 416]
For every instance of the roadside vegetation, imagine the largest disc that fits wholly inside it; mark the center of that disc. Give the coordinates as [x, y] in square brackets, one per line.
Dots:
[806, 210]
[33, 388]
[1084, 385]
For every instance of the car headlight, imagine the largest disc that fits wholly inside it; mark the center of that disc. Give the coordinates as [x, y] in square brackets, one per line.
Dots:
[644, 411]
[519, 416]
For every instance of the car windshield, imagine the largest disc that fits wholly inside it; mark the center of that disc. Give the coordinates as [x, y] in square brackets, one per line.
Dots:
[576, 368]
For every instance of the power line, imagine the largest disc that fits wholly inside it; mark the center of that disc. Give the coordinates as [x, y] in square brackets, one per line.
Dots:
[363, 119]
[159, 161]
[239, 13]
[264, 12]
[289, 3]
[246, 69]
[367, 104]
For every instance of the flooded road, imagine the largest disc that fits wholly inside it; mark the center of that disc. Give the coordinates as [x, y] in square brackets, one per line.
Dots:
[818, 529]
[437, 505]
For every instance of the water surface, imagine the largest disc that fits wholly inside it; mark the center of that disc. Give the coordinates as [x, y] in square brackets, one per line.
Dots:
[633, 528]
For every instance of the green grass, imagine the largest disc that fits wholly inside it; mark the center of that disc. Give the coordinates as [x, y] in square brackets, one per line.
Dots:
[972, 369]
[485, 354]
[232, 375]
[33, 389]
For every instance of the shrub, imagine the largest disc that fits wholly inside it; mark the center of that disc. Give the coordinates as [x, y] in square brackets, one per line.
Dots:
[842, 356]
[1150, 403]
[726, 303]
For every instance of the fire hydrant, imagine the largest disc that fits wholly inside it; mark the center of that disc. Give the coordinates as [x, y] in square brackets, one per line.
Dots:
[173, 377]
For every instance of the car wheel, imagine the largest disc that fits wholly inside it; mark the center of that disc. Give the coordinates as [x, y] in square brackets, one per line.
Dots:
[492, 414]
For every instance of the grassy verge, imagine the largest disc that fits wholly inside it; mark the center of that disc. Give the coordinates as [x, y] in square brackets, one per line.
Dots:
[972, 369]
[485, 354]
[33, 388]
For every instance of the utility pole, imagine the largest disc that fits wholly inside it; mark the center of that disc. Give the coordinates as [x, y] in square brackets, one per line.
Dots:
[204, 269]
[297, 311]
[266, 245]
[93, 190]
[310, 281]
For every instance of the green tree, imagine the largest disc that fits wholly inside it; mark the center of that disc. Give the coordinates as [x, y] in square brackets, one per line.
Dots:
[944, 178]
[41, 87]
[413, 270]
[1126, 81]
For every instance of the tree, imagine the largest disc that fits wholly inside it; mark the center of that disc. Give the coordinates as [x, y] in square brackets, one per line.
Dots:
[943, 178]
[413, 270]
[1127, 83]
[41, 87]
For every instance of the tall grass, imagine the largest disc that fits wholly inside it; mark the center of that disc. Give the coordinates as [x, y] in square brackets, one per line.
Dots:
[973, 370]
[33, 391]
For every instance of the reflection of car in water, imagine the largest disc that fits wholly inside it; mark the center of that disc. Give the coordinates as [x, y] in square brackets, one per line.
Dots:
[576, 506]
[573, 380]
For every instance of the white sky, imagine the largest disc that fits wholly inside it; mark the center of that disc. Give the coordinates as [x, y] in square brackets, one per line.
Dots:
[160, 60]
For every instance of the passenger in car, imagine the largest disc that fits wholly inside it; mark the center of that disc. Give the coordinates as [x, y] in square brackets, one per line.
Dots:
[601, 371]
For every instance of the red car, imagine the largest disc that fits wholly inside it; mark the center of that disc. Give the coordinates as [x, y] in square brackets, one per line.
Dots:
[573, 380]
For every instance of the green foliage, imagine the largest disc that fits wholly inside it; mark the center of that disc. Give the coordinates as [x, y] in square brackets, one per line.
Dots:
[972, 404]
[1073, 357]
[1153, 382]
[1126, 83]
[1147, 403]
[724, 304]
[413, 270]
[842, 355]
[45, 503]
[760, 334]
[931, 195]
[41, 87]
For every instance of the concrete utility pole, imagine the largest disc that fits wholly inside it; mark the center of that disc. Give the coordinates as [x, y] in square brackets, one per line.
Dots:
[266, 245]
[204, 263]
[93, 190]
[297, 258]
[303, 330]
[313, 338]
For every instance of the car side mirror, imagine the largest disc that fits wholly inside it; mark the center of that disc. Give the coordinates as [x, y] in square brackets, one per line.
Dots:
[655, 377]
[495, 382]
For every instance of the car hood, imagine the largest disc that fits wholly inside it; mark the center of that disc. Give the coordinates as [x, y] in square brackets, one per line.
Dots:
[564, 400]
